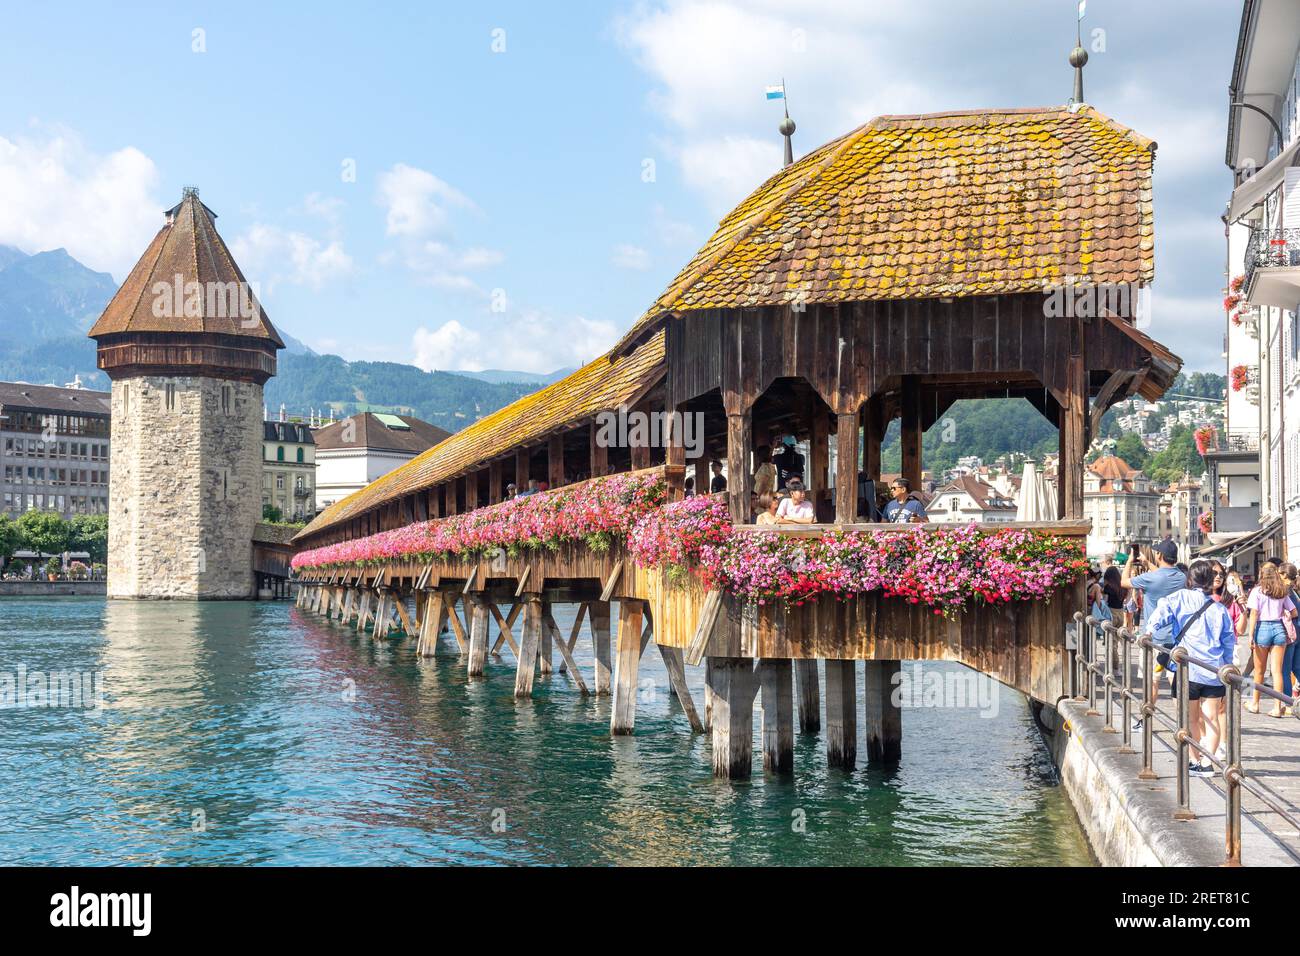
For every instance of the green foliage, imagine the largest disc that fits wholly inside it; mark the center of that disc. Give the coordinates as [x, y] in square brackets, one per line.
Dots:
[272, 514]
[10, 539]
[1201, 384]
[43, 531]
[1179, 458]
[89, 533]
[1131, 449]
[987, 428]
[53, 566]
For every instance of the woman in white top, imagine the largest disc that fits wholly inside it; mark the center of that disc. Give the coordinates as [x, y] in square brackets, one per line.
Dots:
[796, 509]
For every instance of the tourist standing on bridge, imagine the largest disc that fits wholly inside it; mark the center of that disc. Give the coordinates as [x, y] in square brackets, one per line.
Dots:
[1271, 611]
[788, 462]
[1203, 627]
[1153, 586]
[905, 508]
[765, 473]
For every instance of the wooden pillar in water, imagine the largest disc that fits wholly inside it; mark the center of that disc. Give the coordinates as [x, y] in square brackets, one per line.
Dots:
[598, 621]
[528, 642]
[627, 661]
[775, 680]
[884, 717]
[708, 693]
[478, 634]
[810, 698]
[738, 477]
[911, 430]
[841, 713]
[732, 680]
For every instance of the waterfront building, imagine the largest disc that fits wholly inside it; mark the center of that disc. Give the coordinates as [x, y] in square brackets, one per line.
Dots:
[289, 469]
[1121, 504]
[966, 499]
[54, 449]
[1252, 469]
[188, 349]
[352, 452]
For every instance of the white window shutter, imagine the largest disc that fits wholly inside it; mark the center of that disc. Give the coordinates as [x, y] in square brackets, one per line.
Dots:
[1291, 200]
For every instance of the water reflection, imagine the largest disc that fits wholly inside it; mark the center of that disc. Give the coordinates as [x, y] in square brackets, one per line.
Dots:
[255, 733]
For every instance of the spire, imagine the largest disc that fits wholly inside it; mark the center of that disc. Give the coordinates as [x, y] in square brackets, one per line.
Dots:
[787, 128]
[1078, 59]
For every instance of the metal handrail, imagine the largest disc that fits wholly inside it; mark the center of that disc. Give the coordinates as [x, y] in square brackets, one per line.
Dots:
[1271, 248]
[1234, 775]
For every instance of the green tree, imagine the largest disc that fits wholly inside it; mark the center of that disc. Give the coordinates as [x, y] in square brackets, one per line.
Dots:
[1179, 457]
[43, 532]
[89, 533]
[272, 513]
[10, 539]
[1132, 451]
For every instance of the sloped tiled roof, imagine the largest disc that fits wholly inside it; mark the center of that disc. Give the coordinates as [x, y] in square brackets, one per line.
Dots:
[187, 246]
[295, 433]
[51, 398]
[602, 385]
[985, 496]
[1110, 468]
[368, 431]
[946, 204]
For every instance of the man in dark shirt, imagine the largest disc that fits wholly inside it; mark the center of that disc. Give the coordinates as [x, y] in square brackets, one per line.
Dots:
[718, 483]
[788, 462]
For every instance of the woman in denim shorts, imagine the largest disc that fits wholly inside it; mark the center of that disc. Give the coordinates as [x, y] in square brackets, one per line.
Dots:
[1269, 603]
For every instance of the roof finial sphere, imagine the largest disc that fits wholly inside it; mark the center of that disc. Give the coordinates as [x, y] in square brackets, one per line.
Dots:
[786, 127]
[1078, 57]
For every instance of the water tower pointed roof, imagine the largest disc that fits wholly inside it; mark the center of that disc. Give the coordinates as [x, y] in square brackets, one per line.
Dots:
[187, 249]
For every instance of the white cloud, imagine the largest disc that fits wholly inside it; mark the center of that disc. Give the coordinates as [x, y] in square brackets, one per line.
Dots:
[56, 193]
[531, 341]
[671, 232]
[727, 169]
[416, 201]
[270, 255]
[631, 257]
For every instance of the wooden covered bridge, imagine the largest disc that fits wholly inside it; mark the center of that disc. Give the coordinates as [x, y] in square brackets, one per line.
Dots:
[914, 262]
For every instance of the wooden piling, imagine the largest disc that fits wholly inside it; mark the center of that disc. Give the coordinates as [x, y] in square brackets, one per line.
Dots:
[775, 679]
[598, 618]
[810, 697]
[732, 681]
[478, 634]
[673, 663]
[435, 615]
[528, 641]
[841, 713]
[884, 717]
[622, 718]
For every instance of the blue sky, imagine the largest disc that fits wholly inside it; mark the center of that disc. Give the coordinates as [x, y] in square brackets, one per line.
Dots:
[501, 214]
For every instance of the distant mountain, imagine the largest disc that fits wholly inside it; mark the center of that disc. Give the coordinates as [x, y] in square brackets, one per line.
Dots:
[498, 376]
[50, 300]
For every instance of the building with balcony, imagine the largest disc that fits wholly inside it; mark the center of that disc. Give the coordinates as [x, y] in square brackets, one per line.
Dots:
[54, 449]
[1181, 507]
[966, 499]
[289, 470]
[1257, 496]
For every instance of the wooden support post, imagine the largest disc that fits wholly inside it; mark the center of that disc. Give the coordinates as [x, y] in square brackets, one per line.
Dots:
[457, 627]
[400, 602]
[495, 481]
[672, 657]
[819, 451]
[363, 608]
[810, 697]
[599, 454]
[504, 624]
[622, 718]
[675, 454]
[544, 648]
[884, 717]
[523, 468]
[641, 449]
[435, 616]
[471, 491]
[738, 477]
[478, 634]
[708, 693]
[911, 430]
[775, 679]
[598, 615]
[841, 713]
[527, 663]
[558, 641]
[555, 461]
[846, 468]
[1074, 430]
[732, 680]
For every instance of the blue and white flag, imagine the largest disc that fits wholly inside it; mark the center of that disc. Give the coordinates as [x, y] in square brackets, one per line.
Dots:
[1082, 6]
[776, 92]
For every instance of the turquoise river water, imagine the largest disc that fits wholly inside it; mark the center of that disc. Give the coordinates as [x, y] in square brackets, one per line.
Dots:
[255, 733]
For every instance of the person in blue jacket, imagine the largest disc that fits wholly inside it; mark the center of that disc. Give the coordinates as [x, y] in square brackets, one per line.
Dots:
[1206, 632]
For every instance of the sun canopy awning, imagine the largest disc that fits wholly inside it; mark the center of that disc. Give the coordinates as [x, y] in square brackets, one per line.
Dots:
[1249, 541]
[1252, 192]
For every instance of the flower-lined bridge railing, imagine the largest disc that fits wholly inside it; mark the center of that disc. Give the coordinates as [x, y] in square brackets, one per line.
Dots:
[999, 599]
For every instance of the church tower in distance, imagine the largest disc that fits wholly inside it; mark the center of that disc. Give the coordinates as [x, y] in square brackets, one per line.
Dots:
[188, 348]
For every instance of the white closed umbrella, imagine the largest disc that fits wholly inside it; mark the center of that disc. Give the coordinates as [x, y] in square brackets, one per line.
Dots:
[1035, 500]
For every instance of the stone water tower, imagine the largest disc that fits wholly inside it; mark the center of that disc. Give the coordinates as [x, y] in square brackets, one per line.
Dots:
[188, 348]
